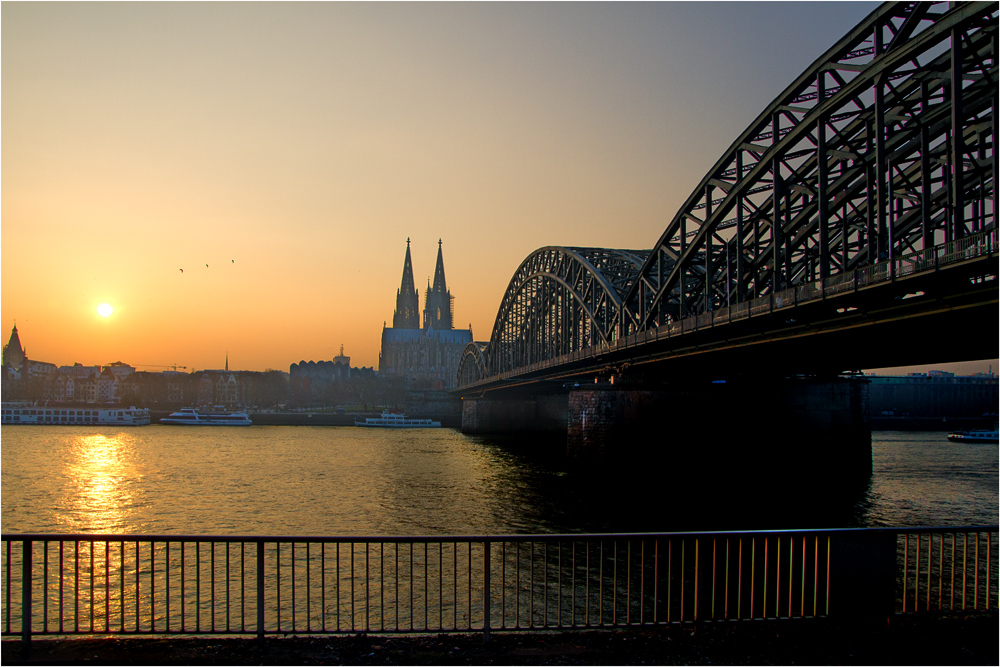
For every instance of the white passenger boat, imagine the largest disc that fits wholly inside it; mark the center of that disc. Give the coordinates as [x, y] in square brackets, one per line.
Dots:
[984, 436]
[74, 416]
[395, 420]
[217, 416]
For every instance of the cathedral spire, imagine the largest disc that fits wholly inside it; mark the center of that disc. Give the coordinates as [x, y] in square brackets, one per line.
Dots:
[407, 315]
[439, 282]
[437, 305]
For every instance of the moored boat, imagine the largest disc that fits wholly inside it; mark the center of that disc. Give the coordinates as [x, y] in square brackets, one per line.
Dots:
[63, 415]
[217, 416]
[984, 436]
[396, 420]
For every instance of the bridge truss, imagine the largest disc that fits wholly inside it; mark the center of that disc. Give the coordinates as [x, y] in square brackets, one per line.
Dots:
[883, 148]
[873, 152]
[560, 300]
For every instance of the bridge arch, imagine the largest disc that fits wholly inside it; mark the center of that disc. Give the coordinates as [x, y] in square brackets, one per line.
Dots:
[472, 366]
[559, 300]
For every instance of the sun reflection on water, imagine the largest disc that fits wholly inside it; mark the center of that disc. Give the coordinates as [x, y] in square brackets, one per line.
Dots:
[331, 480]
[103, 478]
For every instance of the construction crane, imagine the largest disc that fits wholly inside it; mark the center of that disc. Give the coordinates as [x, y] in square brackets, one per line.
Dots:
[170, 366]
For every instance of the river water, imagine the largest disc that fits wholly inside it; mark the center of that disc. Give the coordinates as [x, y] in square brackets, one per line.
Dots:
[294, 480]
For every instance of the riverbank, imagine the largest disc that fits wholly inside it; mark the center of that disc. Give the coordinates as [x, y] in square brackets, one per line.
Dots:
[907, 423]
[320, 418]
[912, 640]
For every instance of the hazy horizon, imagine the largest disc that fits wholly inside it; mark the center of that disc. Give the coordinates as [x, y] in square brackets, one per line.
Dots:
[240, 179]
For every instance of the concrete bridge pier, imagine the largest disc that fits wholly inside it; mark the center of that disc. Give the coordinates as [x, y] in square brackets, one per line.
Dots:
[806, 429]
[530, 414]
[813, 428]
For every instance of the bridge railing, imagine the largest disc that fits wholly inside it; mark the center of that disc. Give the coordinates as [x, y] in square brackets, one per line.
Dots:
[224, 585]
[842, 282]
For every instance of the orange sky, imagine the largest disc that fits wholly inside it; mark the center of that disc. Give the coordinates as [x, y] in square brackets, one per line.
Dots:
[293, 148]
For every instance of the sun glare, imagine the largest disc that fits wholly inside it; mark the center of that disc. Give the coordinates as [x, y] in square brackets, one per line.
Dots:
[104, 310]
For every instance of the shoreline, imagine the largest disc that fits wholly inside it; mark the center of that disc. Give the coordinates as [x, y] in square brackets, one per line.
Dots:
[917, 639]
[319, 418]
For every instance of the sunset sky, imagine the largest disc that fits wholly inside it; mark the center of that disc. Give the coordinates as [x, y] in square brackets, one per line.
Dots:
[294, 147]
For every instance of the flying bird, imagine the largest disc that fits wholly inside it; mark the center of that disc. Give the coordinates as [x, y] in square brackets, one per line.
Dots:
[182, 270]
[206, 266]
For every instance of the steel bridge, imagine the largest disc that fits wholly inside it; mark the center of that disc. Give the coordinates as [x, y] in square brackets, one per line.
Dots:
[856, 210]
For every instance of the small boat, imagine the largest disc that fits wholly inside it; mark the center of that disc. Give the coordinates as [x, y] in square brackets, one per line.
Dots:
[396, 420]
[981, 436]
[88, 415]
[217, 416]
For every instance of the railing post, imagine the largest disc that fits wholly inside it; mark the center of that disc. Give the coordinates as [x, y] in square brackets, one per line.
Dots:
[260, 590]
[486, 590]
[26, 591]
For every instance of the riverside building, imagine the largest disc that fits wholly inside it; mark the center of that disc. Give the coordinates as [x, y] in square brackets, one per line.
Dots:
[327, 382]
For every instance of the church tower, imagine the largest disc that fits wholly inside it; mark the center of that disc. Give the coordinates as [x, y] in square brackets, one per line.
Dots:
[407, 315]
[437, 304]
[14, 370]
[13, 354]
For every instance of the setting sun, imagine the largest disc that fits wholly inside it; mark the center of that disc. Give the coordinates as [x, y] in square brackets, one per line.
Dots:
[104, 310]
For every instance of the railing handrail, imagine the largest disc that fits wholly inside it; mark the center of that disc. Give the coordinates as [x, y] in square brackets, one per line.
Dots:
[198, 584]
[498, 537]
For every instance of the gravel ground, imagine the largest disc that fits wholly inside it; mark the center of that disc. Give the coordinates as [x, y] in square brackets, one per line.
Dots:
[913, 640]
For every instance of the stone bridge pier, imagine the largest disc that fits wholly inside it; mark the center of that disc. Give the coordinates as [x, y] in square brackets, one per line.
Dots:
[806, 426]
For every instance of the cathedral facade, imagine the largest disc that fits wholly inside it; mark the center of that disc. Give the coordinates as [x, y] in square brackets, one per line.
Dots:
[426, 355]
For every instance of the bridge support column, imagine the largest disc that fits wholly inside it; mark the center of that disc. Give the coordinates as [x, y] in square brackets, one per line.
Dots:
[606, 423]
[811, 427]
[545, 414]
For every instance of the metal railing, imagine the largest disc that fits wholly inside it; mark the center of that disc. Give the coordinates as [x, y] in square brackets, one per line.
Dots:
[174, 584]
[941, 570]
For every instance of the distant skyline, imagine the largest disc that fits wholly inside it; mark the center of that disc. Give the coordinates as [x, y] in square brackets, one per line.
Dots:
[241, 178]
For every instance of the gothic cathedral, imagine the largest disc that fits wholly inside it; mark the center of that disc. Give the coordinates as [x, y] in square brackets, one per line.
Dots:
[426, 356]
